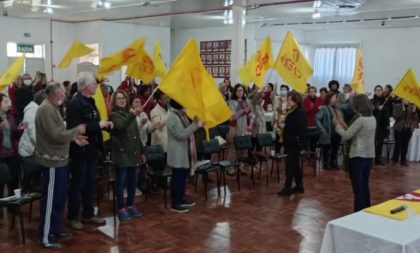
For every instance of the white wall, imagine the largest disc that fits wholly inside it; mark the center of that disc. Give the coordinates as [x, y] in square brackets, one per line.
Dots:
[388, 53]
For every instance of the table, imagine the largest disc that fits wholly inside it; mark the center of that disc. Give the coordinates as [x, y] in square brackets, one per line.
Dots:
[368, 233]
[413, 153]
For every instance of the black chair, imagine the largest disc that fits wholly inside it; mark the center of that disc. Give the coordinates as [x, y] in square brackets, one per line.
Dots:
[266, 141]
[156, 161]
[223, 131]
[12, 203]
[388, 144]
[244, 144]
[31, 181]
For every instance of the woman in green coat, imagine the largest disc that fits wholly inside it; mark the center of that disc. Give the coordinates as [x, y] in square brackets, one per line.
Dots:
[127, 152]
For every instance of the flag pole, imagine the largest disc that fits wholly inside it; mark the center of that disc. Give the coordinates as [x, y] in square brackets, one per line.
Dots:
[151, 96]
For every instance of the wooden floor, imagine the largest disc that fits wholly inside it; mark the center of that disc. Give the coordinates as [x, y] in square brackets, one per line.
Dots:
[251, 220]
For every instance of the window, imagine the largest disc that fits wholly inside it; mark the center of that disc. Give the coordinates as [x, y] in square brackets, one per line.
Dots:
[333, 63]
[93, 57]
[39, 51]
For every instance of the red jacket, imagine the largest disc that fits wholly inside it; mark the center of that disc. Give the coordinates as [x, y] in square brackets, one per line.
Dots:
[311, 111]
[12, 92]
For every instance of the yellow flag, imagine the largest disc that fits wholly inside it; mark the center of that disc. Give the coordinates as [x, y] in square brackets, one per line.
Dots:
[245, 73]
[254, 70]
[76, 50]
[189, 83]
[101, 106]
[410, 200]
[12, 72]
[292, 65]
[358, 82]
[408, 88]
[160, 69]
[141, 66]
[114, 62]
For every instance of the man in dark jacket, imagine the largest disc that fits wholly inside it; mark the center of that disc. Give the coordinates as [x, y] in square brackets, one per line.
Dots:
[82, 110]
[381, 113]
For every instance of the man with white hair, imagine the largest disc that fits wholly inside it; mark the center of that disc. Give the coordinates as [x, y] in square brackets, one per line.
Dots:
[82, 110]
[52, 153]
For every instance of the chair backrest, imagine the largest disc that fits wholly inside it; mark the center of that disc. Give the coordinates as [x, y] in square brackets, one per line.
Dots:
[214, 132]
[265, 140]
[211, 147]
[243, 142]
[223, 131]
[155, 153]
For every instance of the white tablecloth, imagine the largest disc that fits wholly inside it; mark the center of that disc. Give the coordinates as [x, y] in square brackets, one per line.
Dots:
[413, 153]
[363, 232]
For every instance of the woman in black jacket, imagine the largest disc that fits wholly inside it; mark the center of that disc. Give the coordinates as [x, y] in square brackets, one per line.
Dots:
[294, 136]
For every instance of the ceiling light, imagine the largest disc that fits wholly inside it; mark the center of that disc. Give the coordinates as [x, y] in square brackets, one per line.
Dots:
[228, 3]
[48, 10]
[107, 5]
[100, 3]
[317, 4]
[316, 14]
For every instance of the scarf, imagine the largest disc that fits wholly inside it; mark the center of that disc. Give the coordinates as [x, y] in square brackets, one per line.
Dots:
[7, 142]
[192, 153]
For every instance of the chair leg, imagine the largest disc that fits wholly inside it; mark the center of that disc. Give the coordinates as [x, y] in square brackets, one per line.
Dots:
[114, 208]
[165, 188]
[13, 219]
[266, 173]
[252, 176]
[195, 181]
[272, 168]
[259, 173]
[205, 184]
[30, 211]
[218, 178]
[224, 180]
[278, 171]
[238, 177]
[22, 228]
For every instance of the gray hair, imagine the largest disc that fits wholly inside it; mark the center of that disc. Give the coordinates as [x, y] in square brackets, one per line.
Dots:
[39, 96]
[52, 87]
[84, 79]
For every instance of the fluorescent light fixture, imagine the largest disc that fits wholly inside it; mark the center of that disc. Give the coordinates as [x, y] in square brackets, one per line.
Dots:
[317, 4]
[107, 5]
[48, 10]
[316, 14]
[228, 3]
[100, 3]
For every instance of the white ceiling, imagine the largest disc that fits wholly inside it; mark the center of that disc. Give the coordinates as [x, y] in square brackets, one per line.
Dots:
[210, 13]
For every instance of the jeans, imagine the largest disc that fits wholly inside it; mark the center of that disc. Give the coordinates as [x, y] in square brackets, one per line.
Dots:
[402, 139]
[126, 176]
[178, 185]
[359, 171]
[82, 185]
[329, 152]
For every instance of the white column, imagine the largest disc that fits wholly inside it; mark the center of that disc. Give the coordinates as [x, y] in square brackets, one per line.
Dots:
[238, 43]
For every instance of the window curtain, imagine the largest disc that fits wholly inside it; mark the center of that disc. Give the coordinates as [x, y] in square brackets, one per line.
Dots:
[333, 63]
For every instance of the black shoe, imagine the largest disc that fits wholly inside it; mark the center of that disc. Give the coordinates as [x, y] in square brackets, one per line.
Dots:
[50, 245]
[298, 189]
[179, 209]
[285, 192]
[379, 162]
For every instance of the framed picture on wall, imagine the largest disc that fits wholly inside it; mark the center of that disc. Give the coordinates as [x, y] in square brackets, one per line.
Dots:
[208, 69]
[209, 46]
[202, 46]
[215, 46]
[227, 56]
[222, 71]
[215, 59]
[209, 59]
[222, 46]
[215, 71]
[229, 45]
[222, 59]
[227, 71]
[203, 58]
